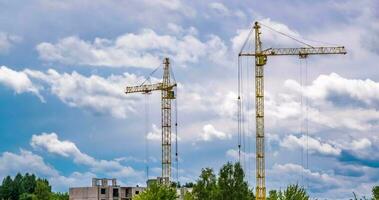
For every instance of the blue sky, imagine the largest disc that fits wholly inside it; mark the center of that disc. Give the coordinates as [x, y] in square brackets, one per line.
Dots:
[64, 66]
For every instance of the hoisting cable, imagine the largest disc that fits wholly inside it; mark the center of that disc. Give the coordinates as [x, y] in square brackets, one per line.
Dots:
[176, 137]
[147, 125]
[151, 73]
[287, 35]
[301, 119]
[239, 102]
[307, 120]
[176, 129]
[246, 41]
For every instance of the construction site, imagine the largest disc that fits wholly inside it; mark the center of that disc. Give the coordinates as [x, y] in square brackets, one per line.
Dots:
[176, 100]
[169, 123]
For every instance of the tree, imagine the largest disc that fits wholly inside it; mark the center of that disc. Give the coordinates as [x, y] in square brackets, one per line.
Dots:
[43, 190]
[29, 183]
[188, 196]
[27, 196]
[6, 188]
[231, 183]
[294, 192]
[59, 196]
[375, 192]
[273, 195]
[17, 190]
[157, 192]
[206, 187]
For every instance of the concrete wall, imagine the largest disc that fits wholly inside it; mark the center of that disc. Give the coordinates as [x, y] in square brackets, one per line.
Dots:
[84, 193]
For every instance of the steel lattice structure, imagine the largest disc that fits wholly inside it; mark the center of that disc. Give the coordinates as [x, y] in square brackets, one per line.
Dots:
[167, 91]
[260, 60]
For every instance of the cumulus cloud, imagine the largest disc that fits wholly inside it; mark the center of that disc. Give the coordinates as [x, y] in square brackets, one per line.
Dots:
[145, 49]
[155, 134]
[233, 153]
[314, 145]
[99, 94]
[219, 7]
[210, 132]
[26, 161]
[51, 143]
[19, 82]
[361, 144]
[318, 181]
[327, 86]
[7, 41]
[103, 95]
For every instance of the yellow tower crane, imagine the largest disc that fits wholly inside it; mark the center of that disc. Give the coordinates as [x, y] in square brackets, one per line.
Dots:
[167, 90]
[260, 60]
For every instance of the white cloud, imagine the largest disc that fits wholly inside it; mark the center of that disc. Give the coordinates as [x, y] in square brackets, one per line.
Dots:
[145, 50]
[7, 41]
[324, 86]
[219, 7]
[155, 134]
[26, 161]
[52, 144]
[210, 132]
[313, 145]
[233, 153]
[318, 180]
[75, 179]
[18, 81]
[99, 94]
[361, 144]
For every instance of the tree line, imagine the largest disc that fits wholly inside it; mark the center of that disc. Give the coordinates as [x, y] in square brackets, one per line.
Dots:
[230, 184]
[28, 187]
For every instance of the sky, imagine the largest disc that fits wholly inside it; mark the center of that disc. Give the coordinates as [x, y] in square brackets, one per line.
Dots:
[64, 65]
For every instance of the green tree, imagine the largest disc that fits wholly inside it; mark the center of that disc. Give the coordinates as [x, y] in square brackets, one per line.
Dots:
[157, 192]
[17, 188]
[232, 184]
[188, 196]
[59, 196]
[375, 192]
[27, 196]
[273, 195]
[206, 187]
[294, 192]
[29, 183]
[43, 190]
[6, 188]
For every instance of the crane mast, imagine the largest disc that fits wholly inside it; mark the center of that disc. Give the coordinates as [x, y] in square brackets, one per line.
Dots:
[167, 92]
[260, 60]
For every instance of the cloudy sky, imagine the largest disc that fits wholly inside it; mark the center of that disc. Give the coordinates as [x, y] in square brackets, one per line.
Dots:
[64, 65]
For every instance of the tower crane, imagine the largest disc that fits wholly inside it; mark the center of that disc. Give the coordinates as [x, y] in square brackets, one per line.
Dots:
[167, 91]
[260, 60]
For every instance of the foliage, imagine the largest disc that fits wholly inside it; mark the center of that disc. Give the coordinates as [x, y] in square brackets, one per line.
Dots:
[375, 192]
[43, 190]
[157, 192]
[290, 193]
[188, 196]
[59, 196]
[294, 192]
[230, 184]
[273, 195]
[206, 187]
[28, 187]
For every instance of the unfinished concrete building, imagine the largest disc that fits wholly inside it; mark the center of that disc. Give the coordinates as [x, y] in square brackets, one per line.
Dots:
[104, 189]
